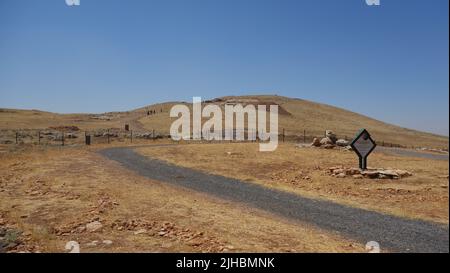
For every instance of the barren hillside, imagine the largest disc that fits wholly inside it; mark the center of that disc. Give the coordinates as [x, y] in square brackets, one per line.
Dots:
[296, 117]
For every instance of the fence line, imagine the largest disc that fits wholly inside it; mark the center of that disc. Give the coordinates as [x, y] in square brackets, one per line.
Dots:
[106, 136]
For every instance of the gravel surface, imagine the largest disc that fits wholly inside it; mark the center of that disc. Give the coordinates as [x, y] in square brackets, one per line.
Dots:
[392, 233]
[411, 153]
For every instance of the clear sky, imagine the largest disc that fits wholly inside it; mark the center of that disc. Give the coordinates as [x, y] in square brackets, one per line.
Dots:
[390, 62]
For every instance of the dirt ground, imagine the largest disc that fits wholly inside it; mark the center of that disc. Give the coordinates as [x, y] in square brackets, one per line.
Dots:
[48, 196]
[304, 171]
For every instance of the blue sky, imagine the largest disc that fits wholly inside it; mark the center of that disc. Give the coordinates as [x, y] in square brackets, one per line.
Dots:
[389, 62]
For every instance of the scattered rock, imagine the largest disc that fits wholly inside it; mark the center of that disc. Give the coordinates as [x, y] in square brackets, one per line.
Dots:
[140, 231]
[231, 247]
[80, 229]
[94, 226]
[342, 172]
[107, 242]
[331, 136]
[91, 244]
[342, 143]
[194, 242]
[316, 142]
[2, 231]
[326, 141]
[110, 134]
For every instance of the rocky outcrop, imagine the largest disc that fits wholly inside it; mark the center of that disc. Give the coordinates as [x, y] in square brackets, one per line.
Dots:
[326, 141]
[330, 141]
[380, 173]
[331, 136]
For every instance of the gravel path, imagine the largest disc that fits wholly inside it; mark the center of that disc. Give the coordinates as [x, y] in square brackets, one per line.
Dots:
[411, 153]
[391, 232]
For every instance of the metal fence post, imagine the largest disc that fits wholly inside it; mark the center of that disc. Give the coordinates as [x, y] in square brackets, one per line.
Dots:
[62, 138]
[131, 133]
[17, 136]
[39, 137]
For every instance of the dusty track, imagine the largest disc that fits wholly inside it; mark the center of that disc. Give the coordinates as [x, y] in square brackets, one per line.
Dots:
[393, 233]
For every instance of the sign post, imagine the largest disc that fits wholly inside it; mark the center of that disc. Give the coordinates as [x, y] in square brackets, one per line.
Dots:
[363, 145]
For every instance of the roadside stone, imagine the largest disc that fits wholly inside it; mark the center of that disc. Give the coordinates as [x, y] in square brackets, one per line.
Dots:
[107, 242]
[342, 142]
[358, 176]
[326, 141]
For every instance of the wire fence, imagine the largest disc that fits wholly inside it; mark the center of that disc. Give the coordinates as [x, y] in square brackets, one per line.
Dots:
[69, 136]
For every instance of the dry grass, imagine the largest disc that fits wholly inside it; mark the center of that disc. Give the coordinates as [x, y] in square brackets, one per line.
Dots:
[423, 196]
[295, 116]
[33, 119]
[50, 194]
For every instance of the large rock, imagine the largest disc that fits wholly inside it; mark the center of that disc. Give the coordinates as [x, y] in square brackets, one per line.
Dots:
[370, 173]
[94, 226]
[331, 135]
[342, 143]
[326, 141]
[316, 142]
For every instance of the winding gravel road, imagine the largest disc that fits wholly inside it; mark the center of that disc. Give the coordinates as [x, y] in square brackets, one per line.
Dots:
[411, 153]
[391, 232]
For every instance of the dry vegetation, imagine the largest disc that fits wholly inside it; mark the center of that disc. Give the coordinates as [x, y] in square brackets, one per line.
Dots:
[304, 171]
[48, 195]
[295, 116]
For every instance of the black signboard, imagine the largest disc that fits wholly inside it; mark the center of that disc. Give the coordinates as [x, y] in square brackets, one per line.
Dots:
[363, 145]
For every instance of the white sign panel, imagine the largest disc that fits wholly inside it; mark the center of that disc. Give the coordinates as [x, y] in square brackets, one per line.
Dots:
[364, 146]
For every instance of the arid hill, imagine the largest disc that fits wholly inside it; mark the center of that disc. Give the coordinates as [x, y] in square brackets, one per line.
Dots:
[296, 117]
